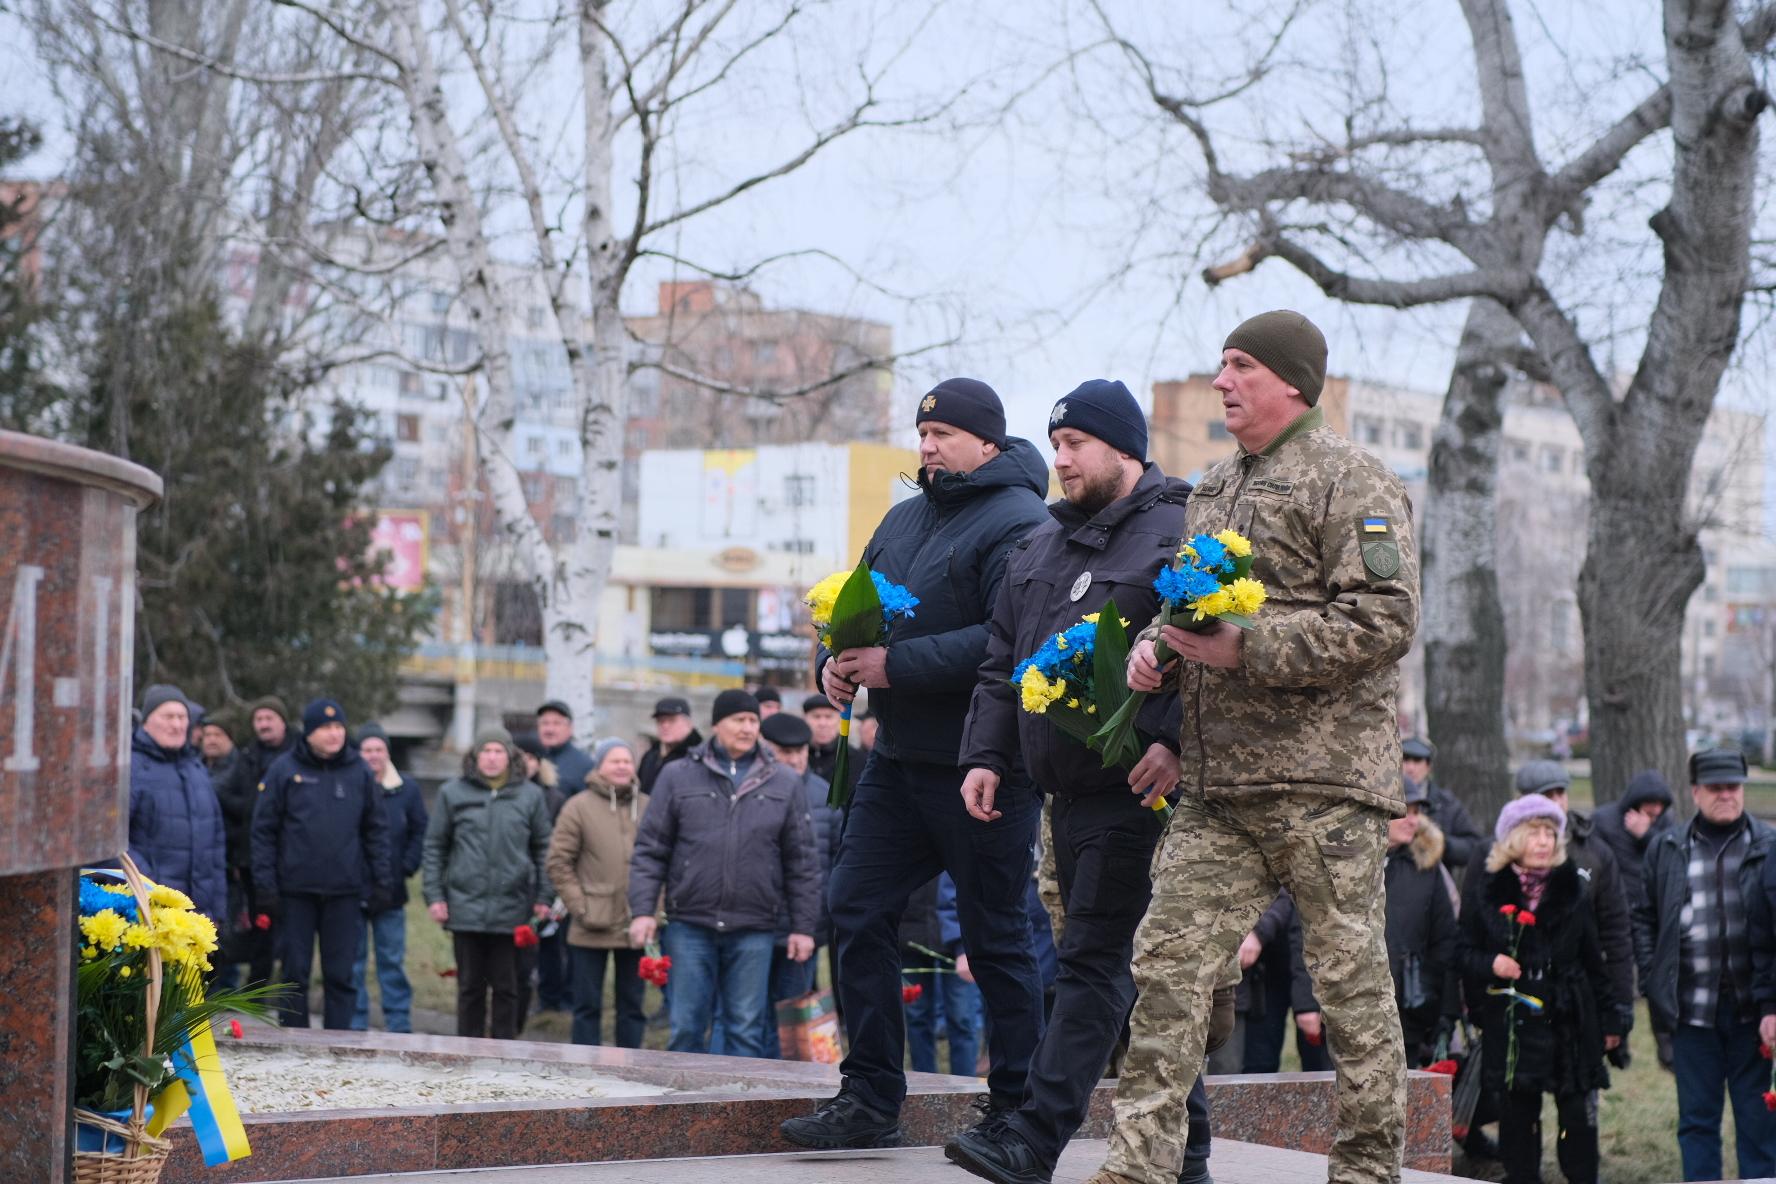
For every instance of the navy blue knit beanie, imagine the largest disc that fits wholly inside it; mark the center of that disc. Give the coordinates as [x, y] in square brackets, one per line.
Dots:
[321, 712]
[1103, 407]
[966, 403]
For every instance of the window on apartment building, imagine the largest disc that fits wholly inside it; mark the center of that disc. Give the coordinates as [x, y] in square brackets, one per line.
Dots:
[458, 343]
[564, 527]
[765, 352]
[535, 318]
[1411, 435]
[1553, 459]
[798, 490]
[681, 608]
[411, 383]
[440, 302]
[406, 472]
[407, 429]
[1218, 431]
[566, 489]
[798, 546]
[1366, 430]
[533, 486]
[564, 446]
[1517, 451]
[534, 446]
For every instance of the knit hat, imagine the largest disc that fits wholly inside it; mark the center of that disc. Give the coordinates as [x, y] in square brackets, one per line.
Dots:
[786, 730]
[1717, 766]
[529, 742]
[1290, 345]
[1103, 408]
[607, 746]
[1646, 786]
[817, 703]
[372, 731]
[558, 707]
[966, 403]
[1543, 777]
[732, 702]
[1416, 748]
[768, 695]
[488, 736]
[159, 695]
[268, 703]
[321, 712]
[1528, 807]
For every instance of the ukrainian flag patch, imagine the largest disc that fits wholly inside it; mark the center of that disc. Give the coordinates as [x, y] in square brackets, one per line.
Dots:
[1375, 526]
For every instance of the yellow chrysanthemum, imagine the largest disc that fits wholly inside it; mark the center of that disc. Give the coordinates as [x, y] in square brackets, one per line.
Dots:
[119, 889]
[138, 937]
[1237, 544]
[1073, 703]
[104, 929]
[1247, 595]
[188, 939]
[169, 898]
[1214, 604]
[1037, 692]
[821, 596]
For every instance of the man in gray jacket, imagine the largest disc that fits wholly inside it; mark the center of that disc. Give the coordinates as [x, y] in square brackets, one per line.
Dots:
[728, 837]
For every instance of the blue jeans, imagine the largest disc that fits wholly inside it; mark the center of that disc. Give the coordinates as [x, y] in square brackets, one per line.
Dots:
[389, 931]
[714, 972]
[906, 825]
[944, 1000]
[1705, 1060]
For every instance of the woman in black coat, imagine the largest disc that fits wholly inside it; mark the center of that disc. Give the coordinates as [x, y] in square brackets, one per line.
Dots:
[1560, 1046]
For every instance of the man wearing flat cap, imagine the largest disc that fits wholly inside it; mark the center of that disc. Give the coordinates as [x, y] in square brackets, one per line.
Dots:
[980, 491]
[1462, 840]
[1290, 749]
[675, 737]
[1702, 935]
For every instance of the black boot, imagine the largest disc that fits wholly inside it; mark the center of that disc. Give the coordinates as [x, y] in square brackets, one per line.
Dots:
[999, 1154]
[843, 1123]
[993, 1114]
[1196, 1171]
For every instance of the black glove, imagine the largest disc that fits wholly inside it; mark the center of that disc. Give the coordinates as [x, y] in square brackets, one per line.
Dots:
[381, 900]
[1620, 1056]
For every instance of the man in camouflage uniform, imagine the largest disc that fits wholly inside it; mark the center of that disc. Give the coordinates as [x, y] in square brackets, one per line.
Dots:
[1289, 750]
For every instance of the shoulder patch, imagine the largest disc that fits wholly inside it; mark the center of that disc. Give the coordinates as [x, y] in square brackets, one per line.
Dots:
[1381, 555]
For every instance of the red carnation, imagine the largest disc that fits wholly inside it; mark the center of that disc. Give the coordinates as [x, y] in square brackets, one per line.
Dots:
[1507, 909]
[262, 921]
[1770, 1099]
[1764, 1051]
[1447, 1068]
[447, 972]
[910, 992]
[1460, 1132]
[524, 937]
[234, 1029]
[1526, 918]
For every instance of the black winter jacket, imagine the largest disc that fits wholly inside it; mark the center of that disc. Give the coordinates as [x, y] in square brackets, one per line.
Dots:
[1658, 917]
[1560, 1049]
[726, 855]
[238, 792]
[825, 821]
[949, 547]
[1629, 851]
[655, 759]
[1610, 906]
[1420, 926]
[1463, 843]
[319, 828]
[404, 808]
[1121, 548]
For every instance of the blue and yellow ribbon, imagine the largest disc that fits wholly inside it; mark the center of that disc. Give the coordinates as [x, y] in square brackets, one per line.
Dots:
[201, 1089]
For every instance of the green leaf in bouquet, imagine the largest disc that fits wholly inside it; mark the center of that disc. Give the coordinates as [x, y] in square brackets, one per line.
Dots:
[1244, 622]
[1110, 651]
[857, 614]
[1242, 567]
[1072, 720]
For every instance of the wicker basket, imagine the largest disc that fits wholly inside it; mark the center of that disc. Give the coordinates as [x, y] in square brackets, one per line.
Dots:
[143, 1155]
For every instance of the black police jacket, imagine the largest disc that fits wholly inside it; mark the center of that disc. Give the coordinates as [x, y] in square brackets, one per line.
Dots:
[319, 828]
[949, 548]
[1121, 549]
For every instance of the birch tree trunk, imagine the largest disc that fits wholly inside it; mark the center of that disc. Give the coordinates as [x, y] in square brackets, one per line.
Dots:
[1463, 621]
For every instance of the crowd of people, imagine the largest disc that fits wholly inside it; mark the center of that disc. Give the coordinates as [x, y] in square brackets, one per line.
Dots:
[1313, 866]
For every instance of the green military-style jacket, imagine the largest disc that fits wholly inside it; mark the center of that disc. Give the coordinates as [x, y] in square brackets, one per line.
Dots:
[1312, 706]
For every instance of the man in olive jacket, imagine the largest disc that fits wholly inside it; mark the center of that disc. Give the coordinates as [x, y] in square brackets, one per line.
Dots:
[485, 874]
[727, 835]
[1290, 759]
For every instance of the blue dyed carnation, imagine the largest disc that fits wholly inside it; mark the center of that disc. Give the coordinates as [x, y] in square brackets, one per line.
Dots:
[1181, 585]
[94, 899]
[1211, 553]
[896, 600]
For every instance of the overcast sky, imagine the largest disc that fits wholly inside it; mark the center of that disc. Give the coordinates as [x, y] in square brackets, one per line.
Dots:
[1068, 233]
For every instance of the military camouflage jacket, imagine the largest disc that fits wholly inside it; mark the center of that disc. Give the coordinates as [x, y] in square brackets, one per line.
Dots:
[1312, 704]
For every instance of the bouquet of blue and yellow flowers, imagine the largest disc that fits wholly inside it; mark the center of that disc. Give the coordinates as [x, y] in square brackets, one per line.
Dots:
[143, 1051]
[1075, 679]
[854, 610]
[1209, 580]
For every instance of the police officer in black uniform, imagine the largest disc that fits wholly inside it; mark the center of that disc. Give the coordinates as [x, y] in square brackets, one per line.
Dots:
[981, 494]
[1118, 523]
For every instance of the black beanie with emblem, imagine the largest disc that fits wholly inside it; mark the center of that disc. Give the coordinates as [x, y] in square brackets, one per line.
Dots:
[1290, 345]
[1103, 407]
[966, 403]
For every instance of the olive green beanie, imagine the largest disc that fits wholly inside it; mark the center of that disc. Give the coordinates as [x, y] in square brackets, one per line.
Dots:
[1290, 345]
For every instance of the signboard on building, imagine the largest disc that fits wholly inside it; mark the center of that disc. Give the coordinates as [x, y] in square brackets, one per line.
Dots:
[772, 651]
[405, 535]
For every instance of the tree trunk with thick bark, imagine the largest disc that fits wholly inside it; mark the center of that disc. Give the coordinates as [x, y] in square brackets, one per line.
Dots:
[1463, 620]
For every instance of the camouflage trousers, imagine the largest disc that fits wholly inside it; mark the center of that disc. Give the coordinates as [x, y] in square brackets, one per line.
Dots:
[1219, 867]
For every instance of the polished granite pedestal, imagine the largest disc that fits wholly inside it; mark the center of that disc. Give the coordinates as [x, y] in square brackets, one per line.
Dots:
[722, 1106]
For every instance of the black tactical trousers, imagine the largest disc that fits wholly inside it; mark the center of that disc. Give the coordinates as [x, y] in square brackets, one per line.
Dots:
[1103, 847]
